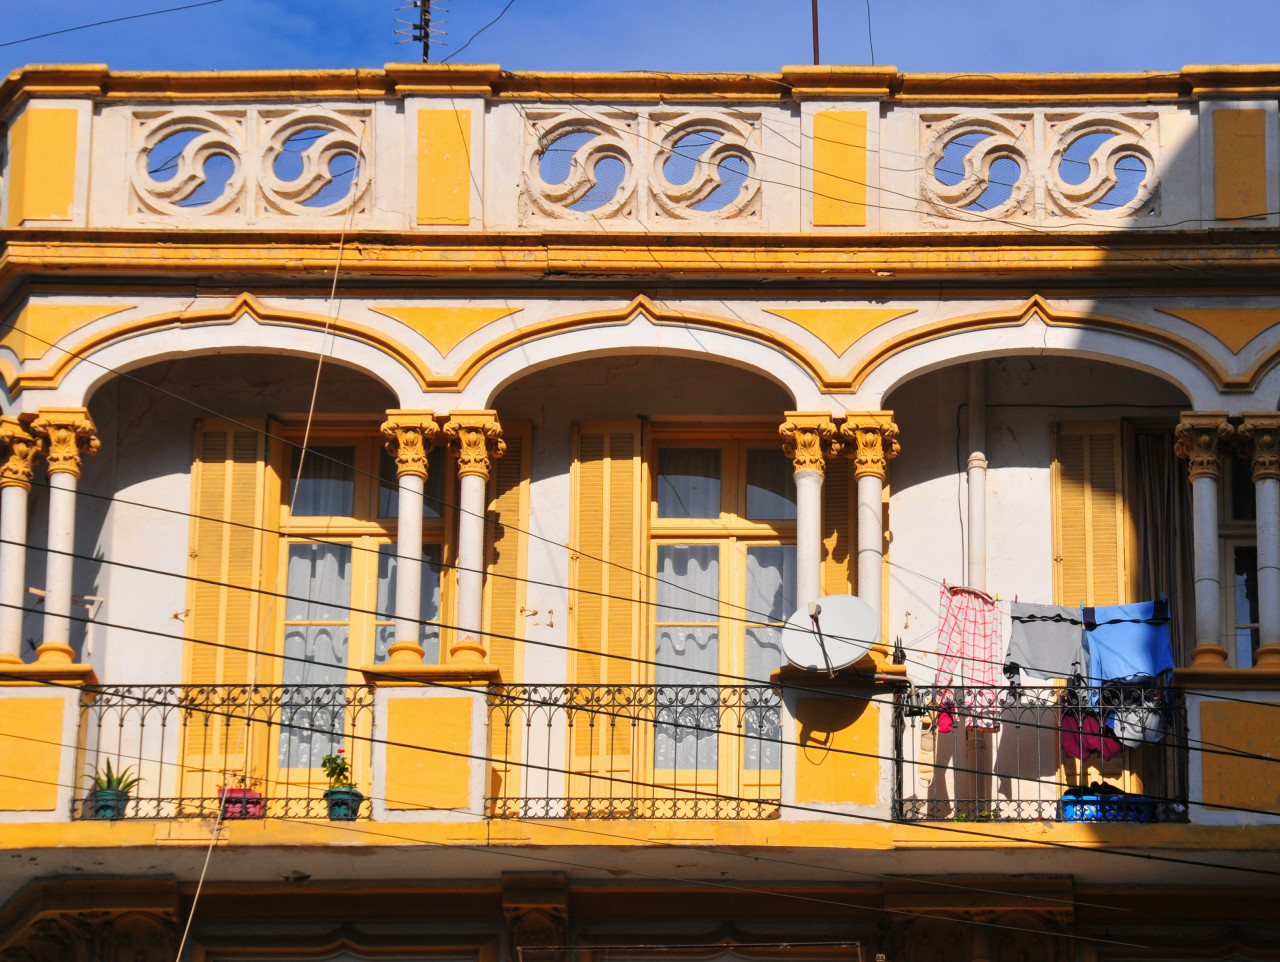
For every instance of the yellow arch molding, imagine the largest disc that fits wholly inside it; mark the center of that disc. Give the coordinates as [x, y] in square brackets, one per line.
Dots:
[244, 304]
[658, 315]
[1054, 317]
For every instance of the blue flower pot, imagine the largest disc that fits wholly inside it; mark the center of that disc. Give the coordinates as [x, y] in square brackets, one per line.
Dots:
[106, 803]
[344, 804]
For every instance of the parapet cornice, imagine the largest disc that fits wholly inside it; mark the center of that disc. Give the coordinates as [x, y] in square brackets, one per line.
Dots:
[490, 80]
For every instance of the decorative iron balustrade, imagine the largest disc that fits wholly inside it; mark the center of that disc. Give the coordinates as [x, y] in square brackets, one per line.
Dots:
[636, 751]
[253, 751]
[1052, 753]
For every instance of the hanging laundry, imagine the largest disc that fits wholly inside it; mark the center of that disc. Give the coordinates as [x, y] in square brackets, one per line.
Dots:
[1127, 641]
[1045, 640]
[1083, 734]
[970, 654]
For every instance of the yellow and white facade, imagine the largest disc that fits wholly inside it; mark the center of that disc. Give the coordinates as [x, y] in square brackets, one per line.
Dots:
[487, 426]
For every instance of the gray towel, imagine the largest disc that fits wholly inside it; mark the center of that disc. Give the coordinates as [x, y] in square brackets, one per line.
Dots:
[1045, 640]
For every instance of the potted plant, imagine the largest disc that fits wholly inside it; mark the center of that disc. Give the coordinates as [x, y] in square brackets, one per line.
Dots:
[109, 796]
[240, 801]
[343, 800]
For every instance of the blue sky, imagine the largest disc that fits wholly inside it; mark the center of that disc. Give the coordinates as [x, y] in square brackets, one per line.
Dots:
[683, 35]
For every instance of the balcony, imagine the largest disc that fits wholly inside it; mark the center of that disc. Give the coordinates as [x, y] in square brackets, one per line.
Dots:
[1014, 754]
[636, 751]
[252, 750]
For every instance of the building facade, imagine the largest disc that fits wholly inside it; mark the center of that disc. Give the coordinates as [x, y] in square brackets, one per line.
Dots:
[465, 439]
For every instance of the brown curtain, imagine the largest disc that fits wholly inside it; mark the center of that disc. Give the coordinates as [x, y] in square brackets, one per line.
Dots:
[1164, 537]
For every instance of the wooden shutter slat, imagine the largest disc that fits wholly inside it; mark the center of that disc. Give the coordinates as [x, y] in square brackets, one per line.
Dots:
[1089, 513]
[839, 530]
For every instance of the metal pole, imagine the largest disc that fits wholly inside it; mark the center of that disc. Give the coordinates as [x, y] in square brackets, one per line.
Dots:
[424, 25]
[816, 58]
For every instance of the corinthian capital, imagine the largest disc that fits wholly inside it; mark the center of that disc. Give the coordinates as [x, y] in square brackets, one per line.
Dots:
[20, 449]
[810, 439]
[873, 439]
[474, 437]
[1259, 440]
[1204, 439]
[410, 437]
[70, 435]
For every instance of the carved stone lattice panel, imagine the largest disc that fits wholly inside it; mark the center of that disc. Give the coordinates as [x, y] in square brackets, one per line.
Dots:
[1119, 152]
[250, 163]
[669, 168]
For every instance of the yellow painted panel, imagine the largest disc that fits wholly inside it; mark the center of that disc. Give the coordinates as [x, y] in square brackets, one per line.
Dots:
[418, 779]
[39, 326]
[444, 327]
[828, 729]
[1239, 163]
[1242, 782]
[42, 166]
[1233, 326]
[840, 168]
[444, 167]
[838, 328]
[29, 769]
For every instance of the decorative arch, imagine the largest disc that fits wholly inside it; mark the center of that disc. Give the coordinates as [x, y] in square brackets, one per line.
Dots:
[642, 325]
[77, 371]
[1043, 329]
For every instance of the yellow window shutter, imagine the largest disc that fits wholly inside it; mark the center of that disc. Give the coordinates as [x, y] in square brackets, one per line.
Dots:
[228, 482]
[506, 547]
[839, 530]
[605, 583]
[1089, 513]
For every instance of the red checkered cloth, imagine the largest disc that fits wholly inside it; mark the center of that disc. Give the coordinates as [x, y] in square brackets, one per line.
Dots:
[970, 654]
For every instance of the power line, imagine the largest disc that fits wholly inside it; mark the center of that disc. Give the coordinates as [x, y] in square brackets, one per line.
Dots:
[500, 15]
[102, 23]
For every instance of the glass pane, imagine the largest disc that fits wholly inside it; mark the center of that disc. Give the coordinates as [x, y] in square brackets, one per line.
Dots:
[432, 494]
[771, 583]
[1245, 583]
[771, 486]
[1244, 496]
[688, 583]
[315, 655]
[688, 482]
[319, 583]
[429, 610]
[326, 486]
[763, 742]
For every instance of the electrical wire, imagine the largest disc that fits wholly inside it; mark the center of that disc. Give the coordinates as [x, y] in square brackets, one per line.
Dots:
[500, 15]
[102, 23]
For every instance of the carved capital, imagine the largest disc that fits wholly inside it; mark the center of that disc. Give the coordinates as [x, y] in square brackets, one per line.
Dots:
[70, 436]
[873, 442]
[20, 449]
[474, 438]
[810, 440]
[1259, 440]
[1204, 439]
[536, 909]
[410, 437]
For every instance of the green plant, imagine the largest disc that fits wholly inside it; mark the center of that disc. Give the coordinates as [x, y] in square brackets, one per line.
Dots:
[336, 768]
[107, 780]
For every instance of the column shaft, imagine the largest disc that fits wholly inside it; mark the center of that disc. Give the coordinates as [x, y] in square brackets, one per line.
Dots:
[13, 569]
[471, 556]
[409, 562]
[870, 539]
[1208, 589]
[1268, 498]
[808, 537]
[58, 568]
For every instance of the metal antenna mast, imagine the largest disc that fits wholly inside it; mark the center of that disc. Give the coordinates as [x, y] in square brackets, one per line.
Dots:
[420, 30]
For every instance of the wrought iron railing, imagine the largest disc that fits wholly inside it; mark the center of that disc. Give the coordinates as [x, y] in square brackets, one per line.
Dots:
[251, 751]
[635, 751]
[1053, 753]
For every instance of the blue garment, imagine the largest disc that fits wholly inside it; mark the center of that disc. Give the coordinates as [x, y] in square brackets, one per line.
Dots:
[1127, 641]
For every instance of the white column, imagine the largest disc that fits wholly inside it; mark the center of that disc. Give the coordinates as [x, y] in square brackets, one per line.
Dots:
[1268, 497]
[1202, 440]
[13, 569]
[58, 568]
[410, 437]
[1260, 434]
[474, 438]
[977, 573]
[409, 560]
[1208, 589]
[871, 539]
[21, 450]
[70, 435]
[808, 537]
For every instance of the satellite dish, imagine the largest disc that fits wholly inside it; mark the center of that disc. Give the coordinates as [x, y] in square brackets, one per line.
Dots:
[830, 634]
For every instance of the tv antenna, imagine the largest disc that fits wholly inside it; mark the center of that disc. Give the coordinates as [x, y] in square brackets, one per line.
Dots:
[830, 634]
[420, 30]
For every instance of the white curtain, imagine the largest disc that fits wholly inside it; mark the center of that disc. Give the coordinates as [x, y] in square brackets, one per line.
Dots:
[689, 483]
[428, 635]
[325, 487]
[687, 651]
